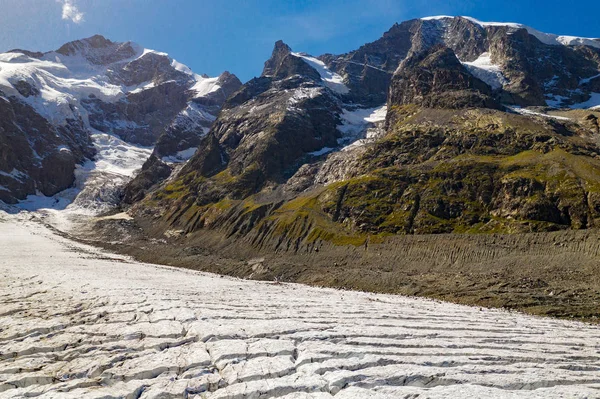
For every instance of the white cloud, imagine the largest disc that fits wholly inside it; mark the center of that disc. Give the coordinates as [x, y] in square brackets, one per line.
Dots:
[71, 12]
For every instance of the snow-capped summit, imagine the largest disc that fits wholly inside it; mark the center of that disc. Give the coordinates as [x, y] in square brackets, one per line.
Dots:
[62, 102]
[546, 38]
[99, 51]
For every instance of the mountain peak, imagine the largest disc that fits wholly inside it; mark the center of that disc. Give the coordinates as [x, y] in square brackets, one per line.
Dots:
[96, 41]
[280, 45]
[99, 50]
[280, 51]
[546, 38]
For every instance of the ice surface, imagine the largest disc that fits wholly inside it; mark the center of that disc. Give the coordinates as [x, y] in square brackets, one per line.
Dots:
[97, 183]
[77, 322]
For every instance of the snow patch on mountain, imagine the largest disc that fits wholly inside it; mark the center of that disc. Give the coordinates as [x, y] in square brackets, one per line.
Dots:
[14, 174]
[556, 101]
[117, 156]
[58, 88]
[588, 80]
[331, 79]
[322, 151]
[528, 112]
[181, 156]
[205, 86]
[303, 93]
[483, 69]
[194, 117]
[592, 103]
[181, 67]
[437, 18]
[358, 125]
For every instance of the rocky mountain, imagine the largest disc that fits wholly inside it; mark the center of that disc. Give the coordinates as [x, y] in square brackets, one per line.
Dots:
[94, 103]
[490, 127]
[525, 66]
[444, 124]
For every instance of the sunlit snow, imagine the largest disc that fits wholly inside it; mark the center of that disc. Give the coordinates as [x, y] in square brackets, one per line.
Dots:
[63, 81]
[592, 103]
[524, 111]
[331, 79]
[356, 125]
[96, 182]
[483, 69]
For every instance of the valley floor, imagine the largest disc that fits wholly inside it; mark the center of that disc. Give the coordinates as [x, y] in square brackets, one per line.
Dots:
[78, 322]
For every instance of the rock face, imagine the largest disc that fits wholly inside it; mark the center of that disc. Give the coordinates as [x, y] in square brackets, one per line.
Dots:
[264, 130]
[153, 172]
[526, 66]
[188, 127]
[35, 155]
[302, 154]
[306, 153]
[435, 78]
[54, 103]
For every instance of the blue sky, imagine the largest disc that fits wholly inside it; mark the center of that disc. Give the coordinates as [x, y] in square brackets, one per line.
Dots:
[237, 35]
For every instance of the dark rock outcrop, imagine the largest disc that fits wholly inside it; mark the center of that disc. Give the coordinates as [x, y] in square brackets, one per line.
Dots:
[534, 71]
[153, 172]
[265, 129]
[435, 78]
[36, 156]
[189, 127]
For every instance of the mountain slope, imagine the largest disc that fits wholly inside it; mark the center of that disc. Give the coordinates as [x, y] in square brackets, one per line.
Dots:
[525, 66]
[456, 152]
[67, 103]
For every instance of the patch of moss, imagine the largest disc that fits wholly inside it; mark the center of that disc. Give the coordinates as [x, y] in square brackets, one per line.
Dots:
[303, 218]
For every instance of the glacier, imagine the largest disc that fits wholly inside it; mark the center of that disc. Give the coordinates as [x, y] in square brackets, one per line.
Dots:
[78, 322]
